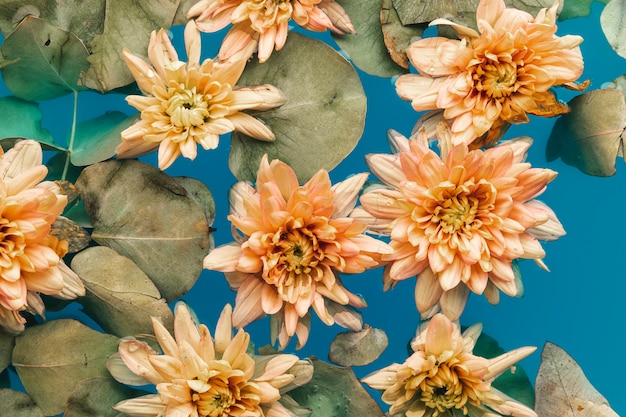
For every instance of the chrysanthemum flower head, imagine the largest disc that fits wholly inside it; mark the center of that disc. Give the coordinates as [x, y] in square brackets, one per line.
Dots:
[200, 375]
[192, 103]
[30, 257]
[266, 21]
[292, 243]
[458, 220]
[443, 378]
[495, 76]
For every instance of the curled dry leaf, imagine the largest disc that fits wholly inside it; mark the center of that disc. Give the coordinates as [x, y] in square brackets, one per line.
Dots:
[335, 391]
[590, 135]
[358, 348]
[120, 297]
[563, 390]
[169, 249]
[52, 357]
[397, 36]
[65, 229]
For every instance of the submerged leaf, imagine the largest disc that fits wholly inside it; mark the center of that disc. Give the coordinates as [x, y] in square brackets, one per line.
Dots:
[44, 56]
[52, 357]
[17, 404]
[563, 390]
[149, 217]
[367, 48]
[97, 396]
[589, 136]
[335, 391]
[322, 120]
[120, 297]
[358, 348]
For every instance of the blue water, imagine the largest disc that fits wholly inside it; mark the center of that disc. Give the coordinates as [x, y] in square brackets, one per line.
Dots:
[578, 305]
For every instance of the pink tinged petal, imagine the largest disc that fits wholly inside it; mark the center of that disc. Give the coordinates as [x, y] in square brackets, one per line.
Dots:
[462, 31]
[503, 362]
[146, 406]
[507, 406]
[118, 369]
[281, 35]
[451, 276]
[427, 290]
[452, 303]
[384, 203]
[224, 329]
[248, 302]
[267, 41]
[438, 56]
[382, 379]
[345, 316]
[346, 193]
[239, 38]
[387, 168]
[168, 152]
[35, 304]
[319, 305]
[192, 43]
[276, 409]
[552, 229]
[26, 179]
[271, 303]
[72, 285]
[251, 126]
[490, 11]
[13, 295]
[144, 74]
[272, 368]
[224, 258]
[184, 326]
[268, 97]
[192, 363]
[303, 328]
[282, 175]
[242, 197]
[135, 355]
[237, 347]
[49, 281]
[422, 91]
[439, 335]
[23, 156]
[338, 16]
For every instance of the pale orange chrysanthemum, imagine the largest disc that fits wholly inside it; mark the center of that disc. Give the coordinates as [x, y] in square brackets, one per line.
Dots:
[30, 257]
[497, 76]
[458, 220]
[190, 104]
[197, 375]
[292, 242]
[266, 21]
[444, 378]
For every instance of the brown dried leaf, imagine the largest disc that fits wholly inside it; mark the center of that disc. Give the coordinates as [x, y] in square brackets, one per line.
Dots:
[76, 237]
[358, 348]
[397, 36]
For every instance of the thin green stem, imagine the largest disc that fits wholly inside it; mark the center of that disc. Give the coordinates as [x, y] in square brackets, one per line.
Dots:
[70, 145]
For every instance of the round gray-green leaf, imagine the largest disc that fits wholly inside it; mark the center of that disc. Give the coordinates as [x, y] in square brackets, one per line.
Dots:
[97, 396]
[322, 120]
[366, 48]
[6, 347]
[120, 297]
[358, 348]
[612, 23]
[52, 357]
[17, 404]
[589, 136]
[335, 391]
[46, 60]
[147, 216]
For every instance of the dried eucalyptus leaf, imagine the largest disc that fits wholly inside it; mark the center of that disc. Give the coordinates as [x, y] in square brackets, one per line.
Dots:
[322, 120]
[52, 357]
[335, 391]
[589, 136]
[120, 297]
[563, 390]
[76, 237]
[367, 48]
[45, 56]
[612, 23]
[412, 12]
[147, 216]
[97, 396]
[358, 348]
[577, 8]
[7, 341]
[17, 404]
[201, 194]
[397, 36]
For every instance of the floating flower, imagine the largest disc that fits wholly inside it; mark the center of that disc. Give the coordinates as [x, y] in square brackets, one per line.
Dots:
[266, 21]
[200, 376]
[190, 104]
[444, 378]
[30, 257]
[293, 241]
[497, 76]
[458, 220]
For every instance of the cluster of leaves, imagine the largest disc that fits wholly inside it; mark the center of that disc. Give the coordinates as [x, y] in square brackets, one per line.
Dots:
[132, 267]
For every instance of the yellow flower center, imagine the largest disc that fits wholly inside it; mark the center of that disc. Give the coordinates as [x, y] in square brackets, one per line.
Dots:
[443, 391]
[12, 242]
[187, 108]
[497, 79]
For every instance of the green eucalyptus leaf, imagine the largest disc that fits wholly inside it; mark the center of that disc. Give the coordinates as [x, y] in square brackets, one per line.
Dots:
[96, 397]
[22, 119]
[7, 341]
[589, 136]
[577, 8]
[322, 120]
[52, 357]
[563, 390]
[120, 297]
[335, 391]
[17, 404]
[46, 60]
[612, 23]
[57, 167]
[78, 215]
[397, 36]
[97, 139]
[358, 348]
[514, 382]
[367, 48]
[149, 217]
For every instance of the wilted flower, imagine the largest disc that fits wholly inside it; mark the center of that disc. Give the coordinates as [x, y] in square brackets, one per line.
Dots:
[197, 375]
[444, 378]
[497, 76]
[266, 21]
[458, 220]
[293, 241]
[190, 104]
[30, 257]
